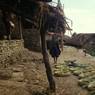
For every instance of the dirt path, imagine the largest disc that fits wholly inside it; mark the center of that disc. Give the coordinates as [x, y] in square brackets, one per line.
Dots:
[69, 85]
[29, 76]
[71, 53]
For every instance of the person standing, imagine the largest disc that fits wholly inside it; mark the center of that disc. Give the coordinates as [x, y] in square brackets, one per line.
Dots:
[54, 50]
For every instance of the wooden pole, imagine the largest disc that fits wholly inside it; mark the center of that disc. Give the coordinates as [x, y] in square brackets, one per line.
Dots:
[20, 27]
[19, 22]
[46, 61]
[45, 54]
[62, 41]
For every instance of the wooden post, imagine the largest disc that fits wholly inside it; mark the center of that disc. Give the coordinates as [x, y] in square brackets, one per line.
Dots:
[20, 27]
[19, 22]
[46, 61]
[45, 54]
[62, 41]
[6, 19]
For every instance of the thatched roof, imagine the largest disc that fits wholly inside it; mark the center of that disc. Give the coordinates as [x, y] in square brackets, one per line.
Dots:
[55, 20]
[29, 10]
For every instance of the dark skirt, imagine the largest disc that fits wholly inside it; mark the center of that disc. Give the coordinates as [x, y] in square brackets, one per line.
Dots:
[55, 52]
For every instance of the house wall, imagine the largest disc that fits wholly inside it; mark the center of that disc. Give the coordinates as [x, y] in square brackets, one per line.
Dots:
[32, 39]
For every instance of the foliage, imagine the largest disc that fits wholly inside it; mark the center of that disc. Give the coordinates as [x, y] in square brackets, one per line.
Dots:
[91, 51]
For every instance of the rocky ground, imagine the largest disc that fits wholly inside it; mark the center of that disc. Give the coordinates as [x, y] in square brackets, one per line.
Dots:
[28, 77]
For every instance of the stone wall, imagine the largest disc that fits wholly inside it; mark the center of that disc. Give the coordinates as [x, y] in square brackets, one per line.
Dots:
[9, 51]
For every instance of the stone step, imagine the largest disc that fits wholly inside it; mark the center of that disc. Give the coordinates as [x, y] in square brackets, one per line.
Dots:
[10, 83]
[5, 74]
[18, 76]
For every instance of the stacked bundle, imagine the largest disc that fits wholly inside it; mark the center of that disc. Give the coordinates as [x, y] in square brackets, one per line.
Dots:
[84, 72]
[61, 70]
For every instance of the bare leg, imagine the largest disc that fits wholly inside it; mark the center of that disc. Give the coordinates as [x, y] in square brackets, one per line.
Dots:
[56, 59]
